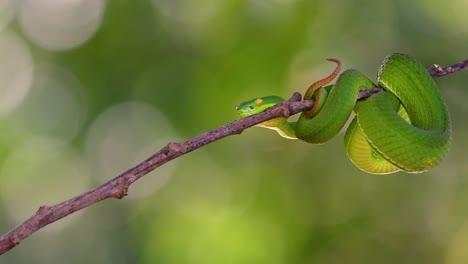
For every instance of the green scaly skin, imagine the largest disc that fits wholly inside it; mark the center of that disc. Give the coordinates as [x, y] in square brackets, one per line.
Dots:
[405, 128]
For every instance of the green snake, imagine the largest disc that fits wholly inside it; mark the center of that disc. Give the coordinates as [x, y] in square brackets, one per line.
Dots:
[404, 128]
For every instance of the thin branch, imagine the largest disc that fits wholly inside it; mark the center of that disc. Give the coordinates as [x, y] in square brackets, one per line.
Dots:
[118, 187]
[437, 71]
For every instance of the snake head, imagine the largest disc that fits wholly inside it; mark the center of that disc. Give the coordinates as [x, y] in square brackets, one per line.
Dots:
[257, 105]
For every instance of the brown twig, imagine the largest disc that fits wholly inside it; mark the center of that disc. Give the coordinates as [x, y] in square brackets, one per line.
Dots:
[437, 71]
[118, 187]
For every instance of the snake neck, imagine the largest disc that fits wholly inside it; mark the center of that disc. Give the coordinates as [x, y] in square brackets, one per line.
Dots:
[282, 126]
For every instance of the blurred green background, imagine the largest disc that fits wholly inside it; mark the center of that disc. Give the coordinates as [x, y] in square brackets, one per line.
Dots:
[90, 87]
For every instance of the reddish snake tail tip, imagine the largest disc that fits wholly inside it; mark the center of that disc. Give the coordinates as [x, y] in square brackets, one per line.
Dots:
[310, 91]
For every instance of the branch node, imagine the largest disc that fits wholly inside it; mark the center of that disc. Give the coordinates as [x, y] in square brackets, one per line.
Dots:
[120, 192]
[121, 189]
[286, 109]
[14, 239]
[173, 147]
[436, 69]
[42, 209]
[296, 97]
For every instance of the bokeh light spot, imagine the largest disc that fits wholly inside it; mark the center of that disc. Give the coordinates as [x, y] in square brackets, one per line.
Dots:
[125, 134]
[252, 241]
[249, 239]
[41, 171]
[60, 25]
[55, 105]
[16, 71]
[187, 20]
[7, 12]
[457, 252]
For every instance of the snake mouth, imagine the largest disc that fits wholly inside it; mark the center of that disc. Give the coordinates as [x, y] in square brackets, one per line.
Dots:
[243, 112]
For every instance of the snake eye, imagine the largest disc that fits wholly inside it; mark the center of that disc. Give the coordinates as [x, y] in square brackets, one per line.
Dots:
[259, 102]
